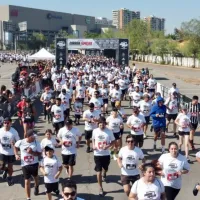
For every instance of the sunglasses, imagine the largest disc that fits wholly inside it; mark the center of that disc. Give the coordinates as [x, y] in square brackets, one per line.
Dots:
[6, 122]
[130, 141]
[71, 194]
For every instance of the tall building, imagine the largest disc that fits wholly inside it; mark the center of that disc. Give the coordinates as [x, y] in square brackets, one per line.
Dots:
[123, 16]
[155, 23]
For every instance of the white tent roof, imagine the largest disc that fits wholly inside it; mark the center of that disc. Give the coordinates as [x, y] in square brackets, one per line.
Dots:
[42, 54]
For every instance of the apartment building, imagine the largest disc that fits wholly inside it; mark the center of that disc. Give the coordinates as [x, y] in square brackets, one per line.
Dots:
[155, 23]
[123, 16]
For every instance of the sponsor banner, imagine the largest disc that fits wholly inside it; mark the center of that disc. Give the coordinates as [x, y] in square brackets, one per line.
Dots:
[123, 52]
[82, 44]
[61, 52]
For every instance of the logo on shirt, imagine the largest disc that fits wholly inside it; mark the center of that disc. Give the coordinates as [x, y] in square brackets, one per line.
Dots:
[130, 158]
[173, 165]
[68, 136]
[50, 166]
[150, 194]
[101, 137]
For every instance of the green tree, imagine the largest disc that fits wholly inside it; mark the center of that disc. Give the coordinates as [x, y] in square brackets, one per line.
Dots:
[137, 33]
[109, 33]
[191, 32]
[91, 35]
[36, 41]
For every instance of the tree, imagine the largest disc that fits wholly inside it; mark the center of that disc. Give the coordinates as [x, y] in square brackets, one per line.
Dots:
[191, 32]
[159, 47]
[109, 33]
[137, 33]
[91, 35]
[36, 41]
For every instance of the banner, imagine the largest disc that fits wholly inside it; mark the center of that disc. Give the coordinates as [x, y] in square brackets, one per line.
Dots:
[74, 44]
[93, 52]
[123, 52]
[61, 52]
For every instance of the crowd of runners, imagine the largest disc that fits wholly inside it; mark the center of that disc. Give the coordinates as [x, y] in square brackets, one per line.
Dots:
[94, 90]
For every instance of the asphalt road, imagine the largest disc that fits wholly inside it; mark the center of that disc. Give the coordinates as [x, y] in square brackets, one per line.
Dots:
[84, 171]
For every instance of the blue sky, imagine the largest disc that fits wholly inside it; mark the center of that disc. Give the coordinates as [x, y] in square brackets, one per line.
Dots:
[175, 11]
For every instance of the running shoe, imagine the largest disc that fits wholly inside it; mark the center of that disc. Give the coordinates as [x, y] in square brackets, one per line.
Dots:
[36, 191]
[195, 191]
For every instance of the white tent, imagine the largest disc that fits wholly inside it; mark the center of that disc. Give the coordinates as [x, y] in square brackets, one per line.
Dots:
[42, 54]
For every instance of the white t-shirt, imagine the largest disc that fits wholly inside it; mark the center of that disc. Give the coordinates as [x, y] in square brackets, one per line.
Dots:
[52, 142]
[51, 166]
[65, 100]
[115, 95]
[69, 139]
[104, 93]
[172, 90]
[171, 166]
[148, 191]
[184, 121]
[26, 158]
[78, 108]
[6, 140]
[102, 137]
[122, 84]
[130, 160]
[58, 112]
[114, 123]
[136, 122]
[173, 105]
[80, 91]
[98, 103]
[46, 97]
[145, 107]
[151, 83]
[90, 115]
[136, 96]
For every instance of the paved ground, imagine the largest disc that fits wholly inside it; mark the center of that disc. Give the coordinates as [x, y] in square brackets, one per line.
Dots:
[84, 170]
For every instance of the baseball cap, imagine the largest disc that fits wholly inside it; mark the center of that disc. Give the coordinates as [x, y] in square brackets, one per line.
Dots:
[49, 147]
[31, 133]
[68, 122]
[7, 119]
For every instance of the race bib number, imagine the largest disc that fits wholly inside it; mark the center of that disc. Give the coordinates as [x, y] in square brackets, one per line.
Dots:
[136, 101]
[136, 129]
[101, 145]
[172, 176]
[130, 166]
[194, 114]
[57, 116]
[28, 159]
[67, 143]
[146, 111]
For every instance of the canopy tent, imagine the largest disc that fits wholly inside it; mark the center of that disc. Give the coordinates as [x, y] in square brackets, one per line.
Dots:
[42, 54]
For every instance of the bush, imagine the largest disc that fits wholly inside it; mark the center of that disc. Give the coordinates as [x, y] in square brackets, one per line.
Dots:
[162, 62]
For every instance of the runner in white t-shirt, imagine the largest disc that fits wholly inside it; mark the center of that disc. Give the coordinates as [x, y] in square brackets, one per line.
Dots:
[147, 187]
[48, 140]
[8, 137]
[30, 150]
[102, 140]
[115, 124]
[136, 123]
[57, 111]
[91, 118]
[173, 165]
[51, 168]
[128, 159]
[68, 139]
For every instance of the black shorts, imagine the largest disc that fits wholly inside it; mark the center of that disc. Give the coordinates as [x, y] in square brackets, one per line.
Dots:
[171, 117]
[113, 104]
[117, 135]
[126, 180]
[182, 133]
[122, 131]
[58, 125]
[123, 92]
[101, 162]
[159, 129]
[66, 112]
[77, 116]
[51, 187]
[105, 101]
[69, 159]
[7, 159]
[30, 170]
[152, 90]
[88, 134]
[194, 126]
[147, 119]
[139, 139]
